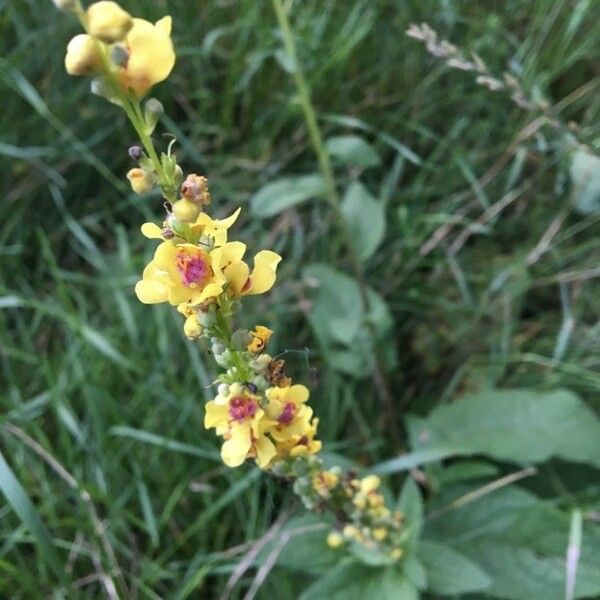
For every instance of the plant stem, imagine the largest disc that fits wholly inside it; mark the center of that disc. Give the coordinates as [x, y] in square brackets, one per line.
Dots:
[332, 196]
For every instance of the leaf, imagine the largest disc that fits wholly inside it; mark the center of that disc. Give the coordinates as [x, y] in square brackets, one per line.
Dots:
[519, 542]
[450, 572]
[410, 503]
[307, 550]
[17, 497]
[350, 580]
[352, 150]
[339, 321]
[365, 219]
[513, 425]
[521, 574]
[585, 175]
[284, 193]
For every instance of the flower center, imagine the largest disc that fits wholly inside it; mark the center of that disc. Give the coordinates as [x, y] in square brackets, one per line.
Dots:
[287, 414]
[241, 408]
[194, 267]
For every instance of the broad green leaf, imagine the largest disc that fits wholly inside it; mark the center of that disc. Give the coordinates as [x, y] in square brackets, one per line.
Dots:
[415, 571]
[284, 193]
[518, 573]
[340, 324]
[352, 150]
[307, 549]
[365, 219]
[585, 175]
[410, 503]
[514, 425]
[350, 580]
[464, 471]
[450, 572]
[518, 541]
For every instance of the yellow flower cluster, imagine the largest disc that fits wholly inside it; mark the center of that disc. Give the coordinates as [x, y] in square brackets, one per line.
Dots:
[124, 51]
[268, 427]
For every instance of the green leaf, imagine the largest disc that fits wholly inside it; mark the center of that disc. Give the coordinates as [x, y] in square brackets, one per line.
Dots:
[350, 580]
[365, 219]
[339, 322]
[410, 503]
[519, 542]
[520, 574]
[19, 501]
[450, 572]
[352, 150]
[284, 193]
[585, 175]
[513, 425]
[307, 551]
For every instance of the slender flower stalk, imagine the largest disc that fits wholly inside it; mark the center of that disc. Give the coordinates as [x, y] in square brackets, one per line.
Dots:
[258, 412]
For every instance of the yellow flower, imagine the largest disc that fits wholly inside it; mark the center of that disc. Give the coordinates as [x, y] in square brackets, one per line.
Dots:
[240, 420]
[82, 55]
[324, 481]
[288, 411]
[380, 533]
[177, 274]
[227, 260]
[204, 225]
[300, 445]
[369, 484]
[108, 21]
[151, 56]
[260, 336]
[139, 180]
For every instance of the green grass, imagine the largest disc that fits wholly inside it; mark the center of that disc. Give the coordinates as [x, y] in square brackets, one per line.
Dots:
[110, 389]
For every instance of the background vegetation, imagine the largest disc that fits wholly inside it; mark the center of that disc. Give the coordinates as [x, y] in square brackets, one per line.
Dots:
[483, 262]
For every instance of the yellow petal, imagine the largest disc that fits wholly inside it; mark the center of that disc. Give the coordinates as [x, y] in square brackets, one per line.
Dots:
[227, 254]
[265, 451]
[215, 414]
[227, 222]
[235, 450]
[82, 55]
[152, 231]
[237, 275]
[165, 24]
[264, 273]
[212, 290]
[165, 257]
[108, 21]
[151, 55]
[298, 393]
[151, 292]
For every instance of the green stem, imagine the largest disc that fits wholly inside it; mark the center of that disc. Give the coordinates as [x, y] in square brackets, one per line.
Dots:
[331, 194]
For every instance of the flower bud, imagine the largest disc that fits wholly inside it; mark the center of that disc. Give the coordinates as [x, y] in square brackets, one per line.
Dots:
[135, 152]
[152, 112]
[335, 539]
[108, 21]
[185, 211]
[207, 317]
[139, 180]
[119, 55]
[260, 363]
[223, 359]
[191, 328]
[82, 55]
[223, 390]
[240, 339]
[195, 189]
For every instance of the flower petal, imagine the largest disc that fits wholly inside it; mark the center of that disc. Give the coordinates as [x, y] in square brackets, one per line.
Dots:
[235, 450]
[150, 291]
[215, 414]
[151, 231]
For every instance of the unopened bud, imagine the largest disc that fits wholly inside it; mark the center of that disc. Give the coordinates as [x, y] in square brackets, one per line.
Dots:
[152, 111]
[167, 233]
[139, 180]
[135, 152]
[192, 328]
[108, 21]
[335, 539]
[119, 55]
[82, 57]
[195, 189]
[185, 211]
